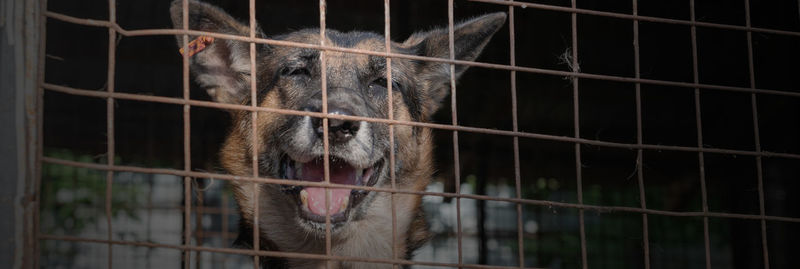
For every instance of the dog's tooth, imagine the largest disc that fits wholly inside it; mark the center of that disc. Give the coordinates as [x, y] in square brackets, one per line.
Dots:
[344, 203]
[359, 175]
[304, 197]
[367, 175]
[298, 170]
[290, 172]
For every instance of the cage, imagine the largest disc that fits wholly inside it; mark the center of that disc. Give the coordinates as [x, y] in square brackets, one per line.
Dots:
[588, 134]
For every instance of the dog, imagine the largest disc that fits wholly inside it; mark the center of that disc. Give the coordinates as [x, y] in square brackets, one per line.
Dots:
[292, 218]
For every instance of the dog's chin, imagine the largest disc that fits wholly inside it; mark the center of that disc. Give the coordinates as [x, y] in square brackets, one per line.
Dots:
[342, 203]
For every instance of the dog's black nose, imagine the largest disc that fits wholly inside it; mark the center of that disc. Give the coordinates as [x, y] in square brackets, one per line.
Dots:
[339, 131]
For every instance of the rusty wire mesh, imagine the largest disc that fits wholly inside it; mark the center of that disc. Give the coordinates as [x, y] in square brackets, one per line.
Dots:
[575, 76]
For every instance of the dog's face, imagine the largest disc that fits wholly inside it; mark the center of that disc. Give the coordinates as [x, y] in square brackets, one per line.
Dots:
[291, 147]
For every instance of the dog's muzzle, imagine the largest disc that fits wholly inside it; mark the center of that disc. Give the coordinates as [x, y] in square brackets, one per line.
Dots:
[355, 159]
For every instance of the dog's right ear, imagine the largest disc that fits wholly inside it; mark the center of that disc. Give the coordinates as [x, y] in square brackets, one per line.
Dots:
[469, 39]
[223, 67]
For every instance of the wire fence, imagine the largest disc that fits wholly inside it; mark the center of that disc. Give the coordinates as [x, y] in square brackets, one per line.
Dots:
[576, 76]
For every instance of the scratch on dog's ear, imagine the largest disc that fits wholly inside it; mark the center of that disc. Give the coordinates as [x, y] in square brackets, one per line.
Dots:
[222, 68]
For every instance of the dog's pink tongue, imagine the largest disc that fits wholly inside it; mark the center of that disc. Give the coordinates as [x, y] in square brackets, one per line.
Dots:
[340, 173]
[316, 200]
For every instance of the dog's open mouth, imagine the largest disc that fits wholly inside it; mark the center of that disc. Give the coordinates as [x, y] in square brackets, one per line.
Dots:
[312, 200]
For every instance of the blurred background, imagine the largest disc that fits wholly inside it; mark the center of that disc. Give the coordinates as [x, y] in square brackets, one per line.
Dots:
[148, 207]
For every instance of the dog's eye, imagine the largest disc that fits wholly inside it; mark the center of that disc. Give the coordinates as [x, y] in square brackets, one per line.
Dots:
[380, 83]
[295, 71]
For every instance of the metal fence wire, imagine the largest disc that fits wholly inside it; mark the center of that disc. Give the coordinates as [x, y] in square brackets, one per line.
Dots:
[575, 76]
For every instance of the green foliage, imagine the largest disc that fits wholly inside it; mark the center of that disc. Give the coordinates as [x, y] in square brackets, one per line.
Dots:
[73, 199]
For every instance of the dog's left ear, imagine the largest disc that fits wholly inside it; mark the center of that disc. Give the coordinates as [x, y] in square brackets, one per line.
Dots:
[469, 39]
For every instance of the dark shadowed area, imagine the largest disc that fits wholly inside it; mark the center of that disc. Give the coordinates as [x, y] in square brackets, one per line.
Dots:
[147, 207]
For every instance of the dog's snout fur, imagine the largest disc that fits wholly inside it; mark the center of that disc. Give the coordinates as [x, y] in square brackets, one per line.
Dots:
[339, 130]
[352, 141]
[341, 101]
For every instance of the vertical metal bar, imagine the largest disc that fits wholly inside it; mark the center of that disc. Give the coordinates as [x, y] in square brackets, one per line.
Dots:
[112, 53]
[756, 135]
[254, 135]
[187, 218]
[699, 122]
[639, 152]
[325, 142]
[149, 224]
[576, 126]
[576, 114]
[37, 173]
[198, 222]
[514, 119]
[187, 181]
[225, 224]
[390, 114]
[456, 165]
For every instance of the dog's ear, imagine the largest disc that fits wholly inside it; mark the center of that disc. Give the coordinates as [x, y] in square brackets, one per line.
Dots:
[469, 39]
[223, 67]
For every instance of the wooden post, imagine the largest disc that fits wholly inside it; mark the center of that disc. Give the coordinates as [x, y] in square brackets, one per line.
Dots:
[20, 110]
